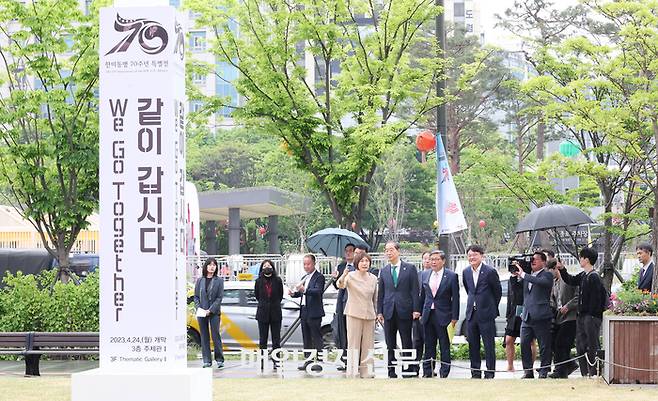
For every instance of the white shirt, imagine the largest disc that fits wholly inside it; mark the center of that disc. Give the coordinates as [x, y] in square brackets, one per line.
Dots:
[644, 269]
[476, 275]
[436, 277]
[306, 281]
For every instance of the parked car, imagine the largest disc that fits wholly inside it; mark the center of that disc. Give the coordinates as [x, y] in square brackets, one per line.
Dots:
[501, 322]
[239, 328]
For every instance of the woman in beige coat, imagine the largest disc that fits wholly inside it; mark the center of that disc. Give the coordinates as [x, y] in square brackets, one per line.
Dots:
[360, 312]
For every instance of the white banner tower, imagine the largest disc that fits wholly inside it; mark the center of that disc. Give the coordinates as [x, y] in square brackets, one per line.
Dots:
[143, 340]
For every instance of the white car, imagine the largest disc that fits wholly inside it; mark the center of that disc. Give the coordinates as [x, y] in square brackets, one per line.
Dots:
[239, 328]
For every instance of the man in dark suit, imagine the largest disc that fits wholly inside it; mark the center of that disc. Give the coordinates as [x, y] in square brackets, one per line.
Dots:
[484, 291]
[537, 314]
[645, 278]
[341, 301]
[398, 303]
[310, 289]
[440, 298]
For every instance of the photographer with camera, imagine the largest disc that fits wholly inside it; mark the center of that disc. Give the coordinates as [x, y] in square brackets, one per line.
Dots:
[514, 309]
[537, 315]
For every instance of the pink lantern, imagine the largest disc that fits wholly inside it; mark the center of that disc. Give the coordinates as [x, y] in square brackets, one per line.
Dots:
[482, 223]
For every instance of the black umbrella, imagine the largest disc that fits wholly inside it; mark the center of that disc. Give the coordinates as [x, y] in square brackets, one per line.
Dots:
[332, 241]
[553, 216]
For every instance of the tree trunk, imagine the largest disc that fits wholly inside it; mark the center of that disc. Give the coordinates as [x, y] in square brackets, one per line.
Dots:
[608, 271]
[452, 150]
[63, 259]
[654, 232]
[541, 136]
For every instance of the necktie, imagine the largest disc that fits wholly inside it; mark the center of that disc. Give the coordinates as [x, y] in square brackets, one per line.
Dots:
[395, 276]
[434, 283]
[642, 272]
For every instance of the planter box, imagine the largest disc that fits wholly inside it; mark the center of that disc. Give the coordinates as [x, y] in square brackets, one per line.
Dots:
[630, 341]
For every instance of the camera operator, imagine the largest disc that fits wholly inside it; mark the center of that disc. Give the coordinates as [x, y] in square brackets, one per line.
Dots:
[513, 314]
[537, 315]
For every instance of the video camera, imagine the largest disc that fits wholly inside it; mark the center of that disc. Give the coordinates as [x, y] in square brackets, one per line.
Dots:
[523, 260]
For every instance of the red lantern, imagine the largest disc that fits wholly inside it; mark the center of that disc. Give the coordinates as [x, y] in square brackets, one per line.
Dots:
[482, 223]
[262, 231]
[425, 141]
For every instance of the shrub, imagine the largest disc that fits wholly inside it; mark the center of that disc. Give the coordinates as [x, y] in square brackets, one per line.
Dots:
[33, 303]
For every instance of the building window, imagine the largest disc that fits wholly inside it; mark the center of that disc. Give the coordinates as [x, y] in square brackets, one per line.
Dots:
[198, 79]
[195, 106]
[459, 9]
[198, 41]
[174, 3]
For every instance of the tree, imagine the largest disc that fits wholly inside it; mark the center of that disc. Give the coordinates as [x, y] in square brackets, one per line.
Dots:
[579, 92]
[48, 118]
[339, 114]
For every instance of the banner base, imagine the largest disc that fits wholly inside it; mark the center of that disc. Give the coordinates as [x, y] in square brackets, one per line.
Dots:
[167, 385]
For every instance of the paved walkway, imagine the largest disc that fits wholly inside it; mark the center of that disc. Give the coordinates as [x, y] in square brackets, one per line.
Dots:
[234, 368]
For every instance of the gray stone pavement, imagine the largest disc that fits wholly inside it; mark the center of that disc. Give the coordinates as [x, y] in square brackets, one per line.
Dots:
[235, 368]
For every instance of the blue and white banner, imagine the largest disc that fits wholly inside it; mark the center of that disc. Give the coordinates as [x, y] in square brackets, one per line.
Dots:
[449, 211]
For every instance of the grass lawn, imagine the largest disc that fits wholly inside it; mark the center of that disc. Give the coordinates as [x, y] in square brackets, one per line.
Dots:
[58, 389]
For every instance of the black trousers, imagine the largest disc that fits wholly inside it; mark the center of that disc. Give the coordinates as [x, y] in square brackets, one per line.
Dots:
[418, 334]
[587, 342]
[275, 328]
[391, 328]
[541, 330]
[563, 339]
[487, 332]
[311, 333]
[433, 332]
[342, 336]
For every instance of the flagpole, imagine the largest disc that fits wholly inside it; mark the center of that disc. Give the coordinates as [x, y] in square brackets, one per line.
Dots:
[441, 123]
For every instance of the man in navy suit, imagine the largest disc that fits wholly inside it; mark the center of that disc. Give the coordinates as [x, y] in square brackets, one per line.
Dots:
[440, 298]
[310, 289]
[644, 255]
[398, 303]
[537, 313]
[484, 292]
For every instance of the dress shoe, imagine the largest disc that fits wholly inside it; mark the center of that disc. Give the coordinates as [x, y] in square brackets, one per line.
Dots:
[392, 376]
[220, 364]
[303, 366]
[542, 375]
[557, 375]
[207, 365]
[528, 376]
[341, 368]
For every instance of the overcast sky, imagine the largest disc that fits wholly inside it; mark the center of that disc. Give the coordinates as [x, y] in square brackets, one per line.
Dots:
[498, 36]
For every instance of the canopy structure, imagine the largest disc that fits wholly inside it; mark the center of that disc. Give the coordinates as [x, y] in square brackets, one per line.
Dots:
[250, 203]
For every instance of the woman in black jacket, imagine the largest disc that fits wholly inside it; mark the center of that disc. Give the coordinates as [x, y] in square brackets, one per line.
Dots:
[208, 294]
[269, 293]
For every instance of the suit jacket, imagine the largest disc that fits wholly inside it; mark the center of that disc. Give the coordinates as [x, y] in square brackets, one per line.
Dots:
[537, 300]
[313, 293]
[485, 295]
[210, 298]
[341, 298]
[446, 300]
[269, 308]
[568, 296]
[404, 298]
[644, 283]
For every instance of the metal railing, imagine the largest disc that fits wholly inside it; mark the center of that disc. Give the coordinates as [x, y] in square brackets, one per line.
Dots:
[290, 267]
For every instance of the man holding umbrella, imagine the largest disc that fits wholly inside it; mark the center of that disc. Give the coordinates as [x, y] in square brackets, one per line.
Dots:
[341, 301]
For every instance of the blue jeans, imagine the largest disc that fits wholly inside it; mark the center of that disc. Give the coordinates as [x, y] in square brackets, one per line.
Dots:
[212, 320]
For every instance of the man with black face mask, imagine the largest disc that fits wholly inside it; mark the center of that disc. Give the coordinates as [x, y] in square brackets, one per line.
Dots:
[269, 293]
